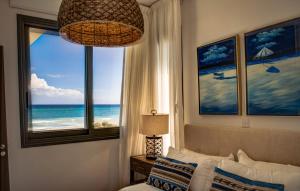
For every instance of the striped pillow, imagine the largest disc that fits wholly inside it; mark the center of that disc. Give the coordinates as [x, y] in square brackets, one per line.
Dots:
[171, 175]
[227, 181]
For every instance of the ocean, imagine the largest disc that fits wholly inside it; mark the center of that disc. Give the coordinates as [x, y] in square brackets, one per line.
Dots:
[61, 117]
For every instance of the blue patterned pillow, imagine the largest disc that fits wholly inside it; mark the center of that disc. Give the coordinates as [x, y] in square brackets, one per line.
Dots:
[226, 181]
[171, 175]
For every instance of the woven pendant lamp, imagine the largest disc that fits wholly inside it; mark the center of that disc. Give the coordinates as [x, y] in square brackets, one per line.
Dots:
[104, 23]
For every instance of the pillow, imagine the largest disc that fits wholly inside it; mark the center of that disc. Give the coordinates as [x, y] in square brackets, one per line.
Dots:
[190, 156]
[171, 175]
[266, 166]
[204, 172]
[289, 180]
[199, 155]
[224, 180]
[244, 170]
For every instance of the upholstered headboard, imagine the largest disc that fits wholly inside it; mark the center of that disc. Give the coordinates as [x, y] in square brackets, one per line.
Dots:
[264, 144]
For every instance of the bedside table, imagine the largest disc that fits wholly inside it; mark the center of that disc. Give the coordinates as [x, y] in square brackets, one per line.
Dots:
[141, 165]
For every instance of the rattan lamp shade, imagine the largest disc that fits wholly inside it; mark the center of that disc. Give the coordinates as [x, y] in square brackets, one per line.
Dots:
[105, 23]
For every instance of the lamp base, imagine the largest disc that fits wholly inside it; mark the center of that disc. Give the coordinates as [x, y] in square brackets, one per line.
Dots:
[153, 147]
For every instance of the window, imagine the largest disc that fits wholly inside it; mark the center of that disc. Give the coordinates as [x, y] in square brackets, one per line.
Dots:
[107, 84]
[57, 70]
[68, 92]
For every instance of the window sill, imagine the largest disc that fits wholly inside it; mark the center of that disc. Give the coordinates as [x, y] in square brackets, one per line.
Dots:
[38, 139]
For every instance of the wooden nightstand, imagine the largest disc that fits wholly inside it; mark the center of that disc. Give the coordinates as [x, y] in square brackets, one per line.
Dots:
[141, 165]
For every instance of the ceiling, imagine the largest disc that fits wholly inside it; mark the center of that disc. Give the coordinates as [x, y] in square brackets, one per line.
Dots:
[147, 2]
[51, 7]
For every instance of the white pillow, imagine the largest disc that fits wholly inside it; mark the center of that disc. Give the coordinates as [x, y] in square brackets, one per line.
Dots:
[268, 172]
[199, 155]
[204, 173]
[245, 171]
[244, 159]
[291, 181]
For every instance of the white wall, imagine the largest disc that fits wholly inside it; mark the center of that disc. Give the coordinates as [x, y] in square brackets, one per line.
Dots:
[88, 166]
[206, 21]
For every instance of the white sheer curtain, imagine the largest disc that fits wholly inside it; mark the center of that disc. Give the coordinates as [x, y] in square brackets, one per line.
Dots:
[152, 79]
[166, 72]
[136, 99]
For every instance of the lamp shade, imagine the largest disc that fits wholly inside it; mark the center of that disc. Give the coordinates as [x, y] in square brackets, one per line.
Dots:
[104, 23]
[157, 124]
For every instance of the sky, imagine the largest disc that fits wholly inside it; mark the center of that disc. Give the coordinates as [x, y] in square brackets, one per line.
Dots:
[57, 72]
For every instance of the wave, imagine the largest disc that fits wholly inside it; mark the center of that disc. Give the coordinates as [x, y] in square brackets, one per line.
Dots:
[72, 123]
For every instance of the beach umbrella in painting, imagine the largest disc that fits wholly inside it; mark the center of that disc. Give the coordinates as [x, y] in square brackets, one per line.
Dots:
[265, 52]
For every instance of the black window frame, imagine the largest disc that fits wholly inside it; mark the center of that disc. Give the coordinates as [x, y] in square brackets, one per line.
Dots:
[35, 139]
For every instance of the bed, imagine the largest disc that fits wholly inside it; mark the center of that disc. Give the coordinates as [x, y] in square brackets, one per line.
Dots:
[262, 144]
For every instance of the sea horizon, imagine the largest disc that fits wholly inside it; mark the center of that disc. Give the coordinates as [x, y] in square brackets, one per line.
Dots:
[68, 116]
[73, 104]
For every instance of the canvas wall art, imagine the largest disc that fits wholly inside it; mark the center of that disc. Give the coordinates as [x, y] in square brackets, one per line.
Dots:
[218, 76]
[273, 69]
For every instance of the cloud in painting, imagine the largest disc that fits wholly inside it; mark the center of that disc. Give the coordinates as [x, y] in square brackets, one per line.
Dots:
[215, 53]
[266, 45]
[42, 93]
[267, 36]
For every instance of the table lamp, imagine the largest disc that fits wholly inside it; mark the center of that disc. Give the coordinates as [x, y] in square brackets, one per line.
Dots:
[154, 125]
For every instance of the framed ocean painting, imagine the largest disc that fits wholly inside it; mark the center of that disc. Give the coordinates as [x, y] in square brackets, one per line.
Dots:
[273, 69]
[218, 77]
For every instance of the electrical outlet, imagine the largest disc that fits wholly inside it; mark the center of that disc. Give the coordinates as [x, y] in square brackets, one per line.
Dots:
[246, 123]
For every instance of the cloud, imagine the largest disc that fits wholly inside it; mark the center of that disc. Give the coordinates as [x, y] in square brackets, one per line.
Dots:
[267, 36]
[267, 45]
[42, 93]
[214, 53]
[55, 75]
[215, 49]
[214, 57]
